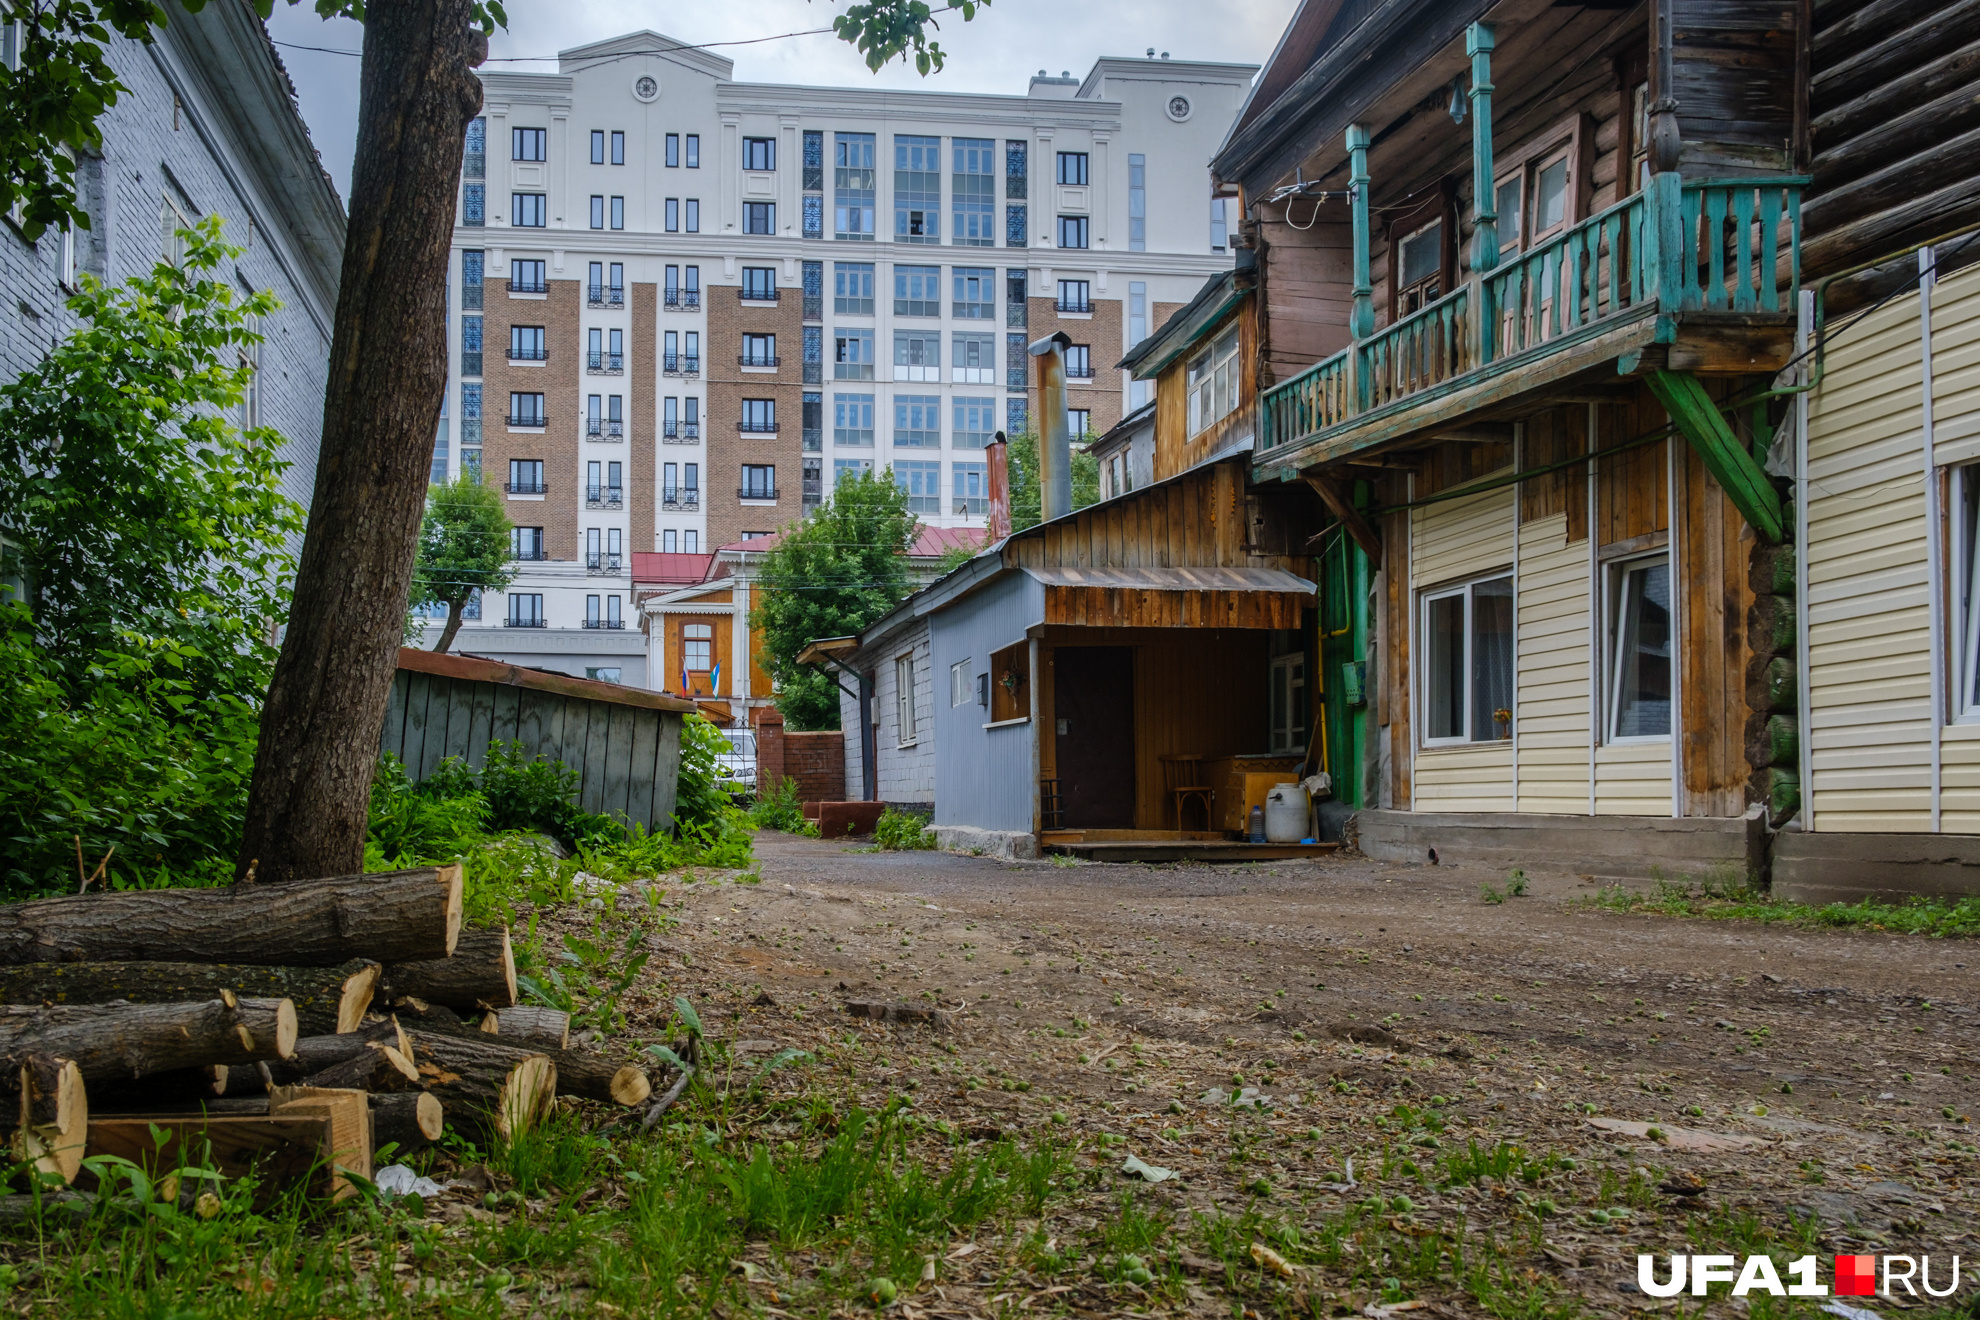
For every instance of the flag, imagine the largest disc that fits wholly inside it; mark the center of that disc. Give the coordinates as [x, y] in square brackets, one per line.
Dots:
[685, 689]
[715, 681]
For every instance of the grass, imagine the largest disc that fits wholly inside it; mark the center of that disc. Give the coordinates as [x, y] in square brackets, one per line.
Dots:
[1724, 896]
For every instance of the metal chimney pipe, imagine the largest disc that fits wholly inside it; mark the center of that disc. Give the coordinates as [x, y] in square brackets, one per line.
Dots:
[1054, 427]
[996, 458]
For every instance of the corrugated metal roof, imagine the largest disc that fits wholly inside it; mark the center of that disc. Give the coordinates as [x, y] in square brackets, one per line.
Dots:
[1175, 579]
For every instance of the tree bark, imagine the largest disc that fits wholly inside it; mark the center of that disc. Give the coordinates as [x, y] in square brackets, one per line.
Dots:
[387, 374]
[114, 1041]
[485, 1086]
[480, 973]
[447, 633]
[542, 1028]
[408, 1121]
[579, 1072]
[380, 1069]
[313, 1054]
[327, 999]
[53, 1116]
[396, 915]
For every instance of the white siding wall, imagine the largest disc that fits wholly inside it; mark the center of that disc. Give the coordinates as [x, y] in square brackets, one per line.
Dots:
[1453, 541]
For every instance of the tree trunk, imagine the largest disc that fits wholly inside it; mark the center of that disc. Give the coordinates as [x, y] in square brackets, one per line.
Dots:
[480, 973]
[315, 1053]
[486, 1087]
[327, 999]
[380, 1069]
[407, 1121]
[387, 374]
[397, 915]
[114, 1041]
[53, 1116]
[579, 1072]
[540, 1028]
[454, 608]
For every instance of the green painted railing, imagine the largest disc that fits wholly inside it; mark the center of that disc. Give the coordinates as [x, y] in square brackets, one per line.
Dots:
[1716, 245]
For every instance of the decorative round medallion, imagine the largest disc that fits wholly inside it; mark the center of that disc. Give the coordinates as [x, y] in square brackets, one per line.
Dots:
[646, 87]
[1179, 108]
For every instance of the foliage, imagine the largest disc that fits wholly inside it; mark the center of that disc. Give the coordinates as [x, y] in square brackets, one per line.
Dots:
[778, 809]
[1027, 489]
[955, 557]
[885, 29]
[702, 789]
[831, 576]
[463, 550]
[154, 539]
[428, 825]
[902, 831]
[1714, 898]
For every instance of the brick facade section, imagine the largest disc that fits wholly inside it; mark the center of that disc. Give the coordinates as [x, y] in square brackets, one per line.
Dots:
[816, 761]
[642, 370]
[560, 381]
[729, 319]
[1102, 334]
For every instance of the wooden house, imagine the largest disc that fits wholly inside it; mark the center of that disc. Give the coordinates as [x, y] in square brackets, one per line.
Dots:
[1530, 281]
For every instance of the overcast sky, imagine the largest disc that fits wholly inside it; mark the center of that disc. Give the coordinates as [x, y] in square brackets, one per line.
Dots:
[1004, 46]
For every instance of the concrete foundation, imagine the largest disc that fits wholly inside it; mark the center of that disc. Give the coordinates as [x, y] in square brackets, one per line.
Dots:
[1847, 867]
[1011, 845]
[1622, 846]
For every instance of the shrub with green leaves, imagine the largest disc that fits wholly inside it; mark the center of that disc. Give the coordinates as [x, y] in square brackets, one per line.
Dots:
[902, 831]
[778, 809]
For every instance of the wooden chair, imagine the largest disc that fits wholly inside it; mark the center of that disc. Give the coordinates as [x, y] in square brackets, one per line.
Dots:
[1183, 777]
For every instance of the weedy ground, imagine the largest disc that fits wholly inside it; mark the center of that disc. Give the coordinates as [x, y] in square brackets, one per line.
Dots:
[1377, 1092]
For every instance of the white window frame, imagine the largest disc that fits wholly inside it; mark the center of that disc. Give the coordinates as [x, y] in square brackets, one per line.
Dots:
[904, 729]
[1615, 579]
[1295, 734]
[1425, 599]
[1212, 382]
[1966, 594]
[961, 685]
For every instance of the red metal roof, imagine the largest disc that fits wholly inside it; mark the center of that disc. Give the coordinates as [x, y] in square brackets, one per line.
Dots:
[673, 570]
[476, 669]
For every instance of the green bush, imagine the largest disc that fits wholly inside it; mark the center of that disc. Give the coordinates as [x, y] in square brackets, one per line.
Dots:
[703, 788]
[779, 809]
[902, 831]
[438, 820]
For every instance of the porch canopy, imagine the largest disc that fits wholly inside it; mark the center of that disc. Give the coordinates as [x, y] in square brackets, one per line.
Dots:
[1152, 596]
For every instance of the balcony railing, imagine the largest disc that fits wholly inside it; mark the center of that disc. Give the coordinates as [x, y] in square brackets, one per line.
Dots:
[756, 492]
[605, 428]
[758, 360]
[525, 488]
[1075, 304]
[1079, 373]
[1711, 246]
[690, 430]
[525, 621]
[689, 498]
[607, 295]
[681, 300]
[814, 307]
[535, 556]
[601, 563]
[605, 364]
[758, 427]
[680, 432]
[757, 295]
[670, 430]
[603, 497]
[528, 286]
[518, 353]
[525, 419]
[690, 364]
[605, 623]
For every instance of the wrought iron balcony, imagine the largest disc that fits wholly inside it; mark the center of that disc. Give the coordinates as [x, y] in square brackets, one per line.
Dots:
[1080, 373]
[525, 621]
[670, 430]
[537, 555]
[605, 623]
[607, 295]
[757, 360]
[1075, 304]
[690, 364]
[688, 498]
[605, 364]
[529, 286]
[756, 493]
[670, 364]
[757, 427]
[601, 563]
[681, 300]
[525, 419]
[603, 497]
[525, 488]
[757, 295]
[690, 430]
[814, 307]
[518, 353]
[605, 428]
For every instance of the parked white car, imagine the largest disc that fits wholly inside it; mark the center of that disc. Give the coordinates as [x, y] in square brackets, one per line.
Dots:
[740, 759]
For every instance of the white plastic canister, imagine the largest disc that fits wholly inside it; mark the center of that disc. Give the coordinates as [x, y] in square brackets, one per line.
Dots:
[1286, 809]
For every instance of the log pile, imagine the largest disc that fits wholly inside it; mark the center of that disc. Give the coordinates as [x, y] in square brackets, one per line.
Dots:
[295, 1029]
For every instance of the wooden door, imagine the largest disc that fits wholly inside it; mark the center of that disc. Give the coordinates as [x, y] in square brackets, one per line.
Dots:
[1093, 701]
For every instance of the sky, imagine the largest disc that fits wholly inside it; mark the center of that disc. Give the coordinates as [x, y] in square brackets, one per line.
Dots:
[998, 51]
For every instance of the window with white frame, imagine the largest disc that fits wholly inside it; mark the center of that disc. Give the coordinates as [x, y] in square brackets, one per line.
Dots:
[1639, 631]
[1966, 578]
[1212, 381]
[959, 684]
[1467, 649]
[1286, 686]
[904, 698]
[697, 647]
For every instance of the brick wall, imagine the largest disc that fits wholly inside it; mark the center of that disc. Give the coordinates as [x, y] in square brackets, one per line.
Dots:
[560, 381]
[729, 318]
[1101, 332]
[817, 761]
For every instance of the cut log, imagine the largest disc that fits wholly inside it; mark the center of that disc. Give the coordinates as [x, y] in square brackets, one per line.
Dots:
[486, 1087]
[112, 1041]
[349, 1141]
[48, 1207]
[315, 1053]
[418, 1015]
[395, 916]
[53, 1126]
[381, 1068]
[280, 1150]
[481, 973]
[578, 1072]
[544, 1028]
[406, 1122]
[327, 999]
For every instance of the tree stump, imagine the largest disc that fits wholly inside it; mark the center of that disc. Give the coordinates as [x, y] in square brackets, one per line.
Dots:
[486, 1087]
[480, 973]
[406, 1122]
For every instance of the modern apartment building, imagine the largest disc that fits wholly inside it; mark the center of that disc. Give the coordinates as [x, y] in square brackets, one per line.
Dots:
[686, 304]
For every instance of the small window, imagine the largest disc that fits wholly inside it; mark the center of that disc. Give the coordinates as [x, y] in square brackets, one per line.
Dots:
[597, 146]
[759, 481]
[1072, 169]
[597, 211]
[904, 700]
[692, 215]
[697, 647]
[759, 416]
[1550, 196]
[618, 149]
[1079, 423]
[527, 210]
[1072, 231]
[673, 156]
[671, 210]
[759, 153]
[759, 283]
[1079, 362]
[1220, 225]
[529, 143]
[1287, 688]
[759, 351]
[1468, 663]
[1420, 268]
[759, 217]
[1511, 208]
[694, 151]
[1212, 382]
[527, 276]
[1639, 636]
[960, 685]
[618, 213]
[1010, 683]
[603, 673]
[1075, 296]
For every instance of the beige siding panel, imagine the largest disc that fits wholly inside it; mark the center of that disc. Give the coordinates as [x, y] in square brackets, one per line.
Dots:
[1959, 797]
[1553, 669]
[1869, 688]
[1475, 778]
[1956, 368]
[1461, 538]
[1633, 779]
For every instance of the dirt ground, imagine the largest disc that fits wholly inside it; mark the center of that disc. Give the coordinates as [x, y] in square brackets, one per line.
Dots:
[1817, 1084]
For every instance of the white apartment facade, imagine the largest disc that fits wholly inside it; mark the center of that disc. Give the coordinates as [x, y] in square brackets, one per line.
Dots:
[684, 304]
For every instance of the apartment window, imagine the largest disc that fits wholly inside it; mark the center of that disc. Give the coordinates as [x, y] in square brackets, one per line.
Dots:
[1017, 169]
[1079, 422]
[852, 419]
[618, 147]
[604, 673]
[759, 351]
[918, 421]
[960, 693]
[1017, 416]
[1468, 663]
[849, 467]
[471, 345]
[813, 354]
[471, 414]
[759, 217]
[526, 476]
[670, 486]
[975, 359]
[673, 155]
[923, 483]
[526, 344]
[618, 213]
[1286, 702]
[527, 210]
[759, 153]
[693, 152]
[691, 215]
[1072, 231]
[691, 286]
[1639, 637]
[852, 186]
[597, 282]
[759, 284]
[759, 416]
[1139, 391]
[918, 355]
[671, 215]
[1017, 225]
[904, 700]
[917, 189]
[917, 291]
[594, 477]
[1138, 203]
[697, 647]
[474, 204]
[670, 352]
[529, 143]
[1212, 381]
[1017, 306]
[974, 423]
[759, 482]
[691, 418]
[527, 277]
[976, 294]
[1072, 168]
[1079, 362]
[615, 412]
[526, 543]
[691, 358]
[691, 487]
[670, 418]
[691, 541]
[525, 609]
[474, 161]
[1075, 296]
[814, 160]
[813, 420]
[974, 189]
[852, 288]
[970, 489]
[597, 146]
[670, 542]
[472, 266]
[525, 409]
[852, 355]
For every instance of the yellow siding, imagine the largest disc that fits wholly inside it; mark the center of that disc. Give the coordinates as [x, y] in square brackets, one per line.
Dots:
[1461, 538]
[1633, 779]
[1553, 669]
[1869, 654]
[1476, 778]
[1956, 367]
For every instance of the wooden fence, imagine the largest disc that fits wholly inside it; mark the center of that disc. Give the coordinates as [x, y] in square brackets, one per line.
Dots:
[625, 743]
